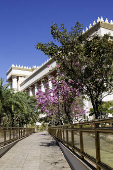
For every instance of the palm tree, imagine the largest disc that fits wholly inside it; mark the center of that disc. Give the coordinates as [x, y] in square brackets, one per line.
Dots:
[16, 109]
[23, 109]
[4, 98]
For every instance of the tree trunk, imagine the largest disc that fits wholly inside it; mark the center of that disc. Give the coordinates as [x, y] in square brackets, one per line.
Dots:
[96, 109]
[66, 109]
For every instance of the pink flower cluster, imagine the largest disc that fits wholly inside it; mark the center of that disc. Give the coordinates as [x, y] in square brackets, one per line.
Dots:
[48, 101]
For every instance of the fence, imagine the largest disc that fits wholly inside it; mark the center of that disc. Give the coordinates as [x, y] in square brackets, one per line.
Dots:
[9, 135]
[92, 140]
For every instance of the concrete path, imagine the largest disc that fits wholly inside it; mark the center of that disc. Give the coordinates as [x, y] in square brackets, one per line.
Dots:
[36, 152]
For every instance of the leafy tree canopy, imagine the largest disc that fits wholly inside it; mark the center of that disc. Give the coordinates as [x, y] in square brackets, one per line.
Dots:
[86, 61]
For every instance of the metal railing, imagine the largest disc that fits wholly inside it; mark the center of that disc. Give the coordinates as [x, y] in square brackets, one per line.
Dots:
[92, 140]
[11, 134]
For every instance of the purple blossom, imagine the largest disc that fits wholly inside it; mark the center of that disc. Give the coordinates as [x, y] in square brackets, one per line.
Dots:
[48, 101]
[58, 66]
[77, 64]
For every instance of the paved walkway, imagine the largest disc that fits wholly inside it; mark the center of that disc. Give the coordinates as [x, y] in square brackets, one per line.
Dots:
[36, 152]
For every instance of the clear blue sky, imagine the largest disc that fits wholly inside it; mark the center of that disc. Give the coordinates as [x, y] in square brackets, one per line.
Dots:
[23, 23]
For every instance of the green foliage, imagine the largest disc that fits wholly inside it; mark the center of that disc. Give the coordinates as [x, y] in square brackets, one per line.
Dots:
[44, 119]
[16, 109]
[105, 108]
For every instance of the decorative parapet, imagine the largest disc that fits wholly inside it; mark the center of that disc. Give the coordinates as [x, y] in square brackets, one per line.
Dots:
[96, 25]
[39, 74]
[25, 70]
[25, 75]
[18, 71]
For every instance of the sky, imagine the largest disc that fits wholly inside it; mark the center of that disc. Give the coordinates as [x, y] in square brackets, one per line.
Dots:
[24, 23]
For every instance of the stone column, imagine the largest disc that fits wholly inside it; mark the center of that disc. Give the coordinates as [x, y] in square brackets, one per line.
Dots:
[30, 91]
[20, 79]
[50, 85]
[42, 86]
[36, 88]
[14, 83]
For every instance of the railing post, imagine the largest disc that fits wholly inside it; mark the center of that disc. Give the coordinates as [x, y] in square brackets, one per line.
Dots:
[24, 132]
[72, 138]
[13, 134]
[19, 133]
[10, 134]
[97, 145]
[16, 133]
[4, 136]
[81, 142]
[60, 133]
[63, 134]
[67, 136]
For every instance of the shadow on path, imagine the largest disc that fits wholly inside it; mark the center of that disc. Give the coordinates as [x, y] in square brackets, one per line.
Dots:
[46, 144]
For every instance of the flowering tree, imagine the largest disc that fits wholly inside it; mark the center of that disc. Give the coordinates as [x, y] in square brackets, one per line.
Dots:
[89, 62]
[60, 102]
